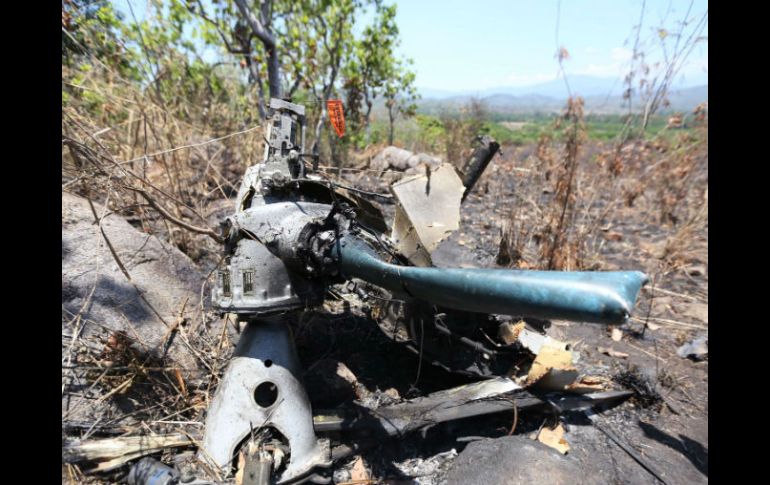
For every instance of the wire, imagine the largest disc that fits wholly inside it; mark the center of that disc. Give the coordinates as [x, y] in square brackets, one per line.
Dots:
[379, 172]
[170, 150]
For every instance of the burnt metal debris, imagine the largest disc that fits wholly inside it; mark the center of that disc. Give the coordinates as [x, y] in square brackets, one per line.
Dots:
[293, 236]
[486, 148]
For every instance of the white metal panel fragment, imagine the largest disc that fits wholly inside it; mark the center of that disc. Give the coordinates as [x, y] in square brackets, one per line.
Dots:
[428, 211]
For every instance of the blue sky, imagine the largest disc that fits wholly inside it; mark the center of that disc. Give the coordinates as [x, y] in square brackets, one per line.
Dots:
[457, 45]
[461, 45]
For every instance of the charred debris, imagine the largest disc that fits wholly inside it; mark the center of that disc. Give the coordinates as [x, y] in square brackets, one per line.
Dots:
[294, 240]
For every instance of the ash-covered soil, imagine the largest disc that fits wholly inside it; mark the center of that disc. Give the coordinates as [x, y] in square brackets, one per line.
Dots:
[666, 424]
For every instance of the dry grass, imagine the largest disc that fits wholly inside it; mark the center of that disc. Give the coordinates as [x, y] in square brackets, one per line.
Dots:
[560, 244]
[575, 194]
[123, 388]
[461, 129]
[153, 162]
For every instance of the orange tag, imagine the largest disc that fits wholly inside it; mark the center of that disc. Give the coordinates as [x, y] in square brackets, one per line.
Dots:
[336, 116]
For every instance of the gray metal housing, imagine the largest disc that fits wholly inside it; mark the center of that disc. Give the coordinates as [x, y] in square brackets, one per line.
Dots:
[263, 275]
[253, 279]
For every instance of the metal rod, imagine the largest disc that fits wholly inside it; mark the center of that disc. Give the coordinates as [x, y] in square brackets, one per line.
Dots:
[586, 296]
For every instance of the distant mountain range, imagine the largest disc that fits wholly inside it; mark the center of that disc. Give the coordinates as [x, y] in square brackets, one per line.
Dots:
[581, 85]
[601, 95]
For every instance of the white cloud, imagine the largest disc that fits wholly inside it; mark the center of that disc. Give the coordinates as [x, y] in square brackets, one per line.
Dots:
[621, 54]
[619, 62]
[599, 70]
[516, 79]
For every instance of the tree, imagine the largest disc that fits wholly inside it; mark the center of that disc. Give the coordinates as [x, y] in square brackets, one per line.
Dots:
[325, 28]
[304, 43]
[400, 96]
[310, 45]
[91, 32]
[370, 67]
[261, 28]
[234, 28]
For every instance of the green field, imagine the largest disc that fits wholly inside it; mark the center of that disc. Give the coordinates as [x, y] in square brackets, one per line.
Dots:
[428, 133]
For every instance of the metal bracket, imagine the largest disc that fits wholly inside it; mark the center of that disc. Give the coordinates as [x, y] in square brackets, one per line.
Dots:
[261, 388]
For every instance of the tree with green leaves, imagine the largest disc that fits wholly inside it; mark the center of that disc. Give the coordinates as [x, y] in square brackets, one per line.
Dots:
[325, 28]
[288, 43]
[371, 65]
[307, 48]
[91, 33]
[400, 96]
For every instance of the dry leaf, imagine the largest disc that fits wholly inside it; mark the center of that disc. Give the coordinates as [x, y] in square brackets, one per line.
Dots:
[587, 384]
[548, 358]
[509, 332]
[553, 367]
[180, 381]
[392, 393]
[554, 438]
[612, 353]
[359, 472]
